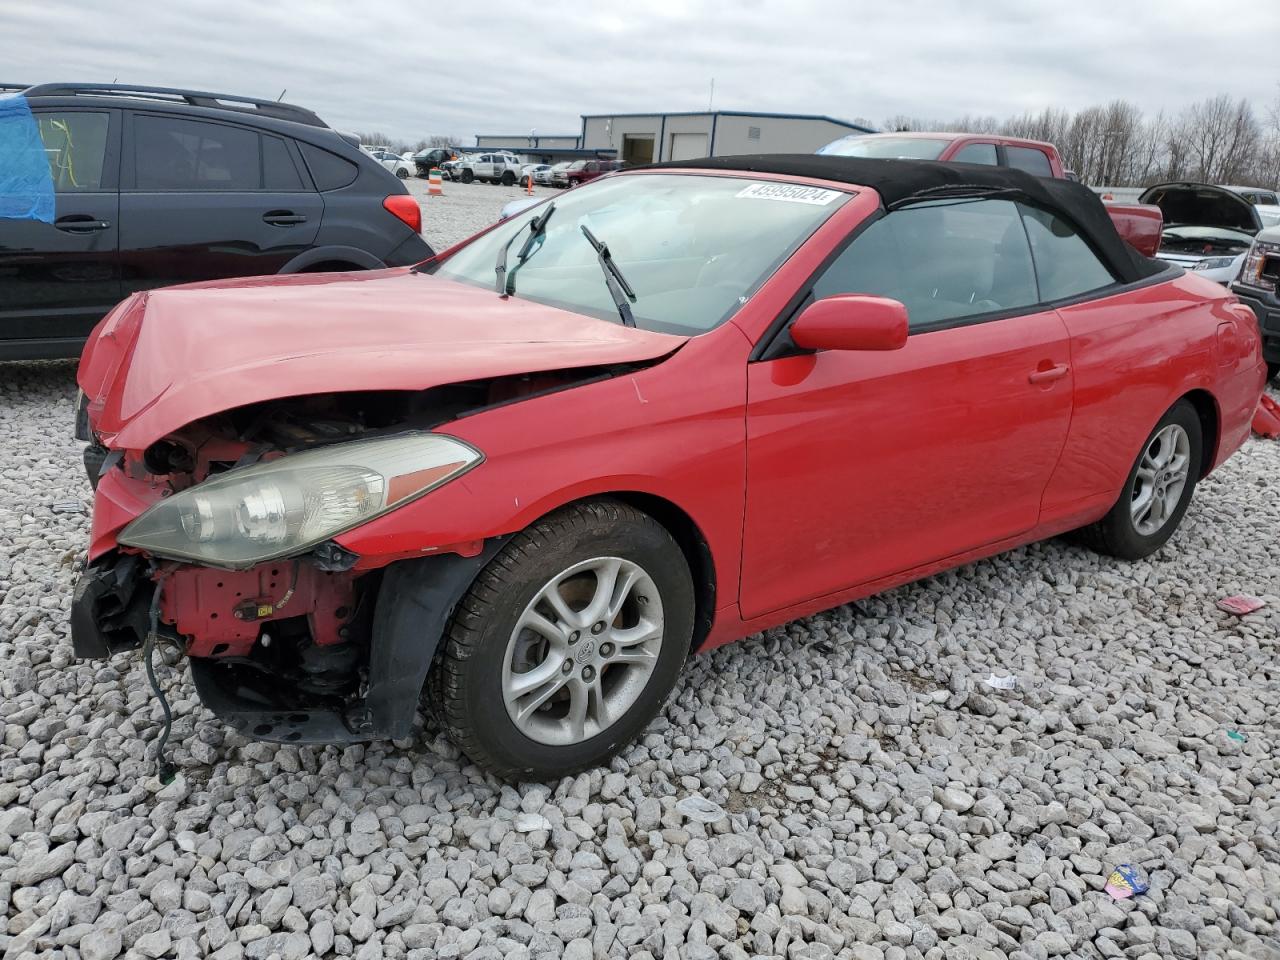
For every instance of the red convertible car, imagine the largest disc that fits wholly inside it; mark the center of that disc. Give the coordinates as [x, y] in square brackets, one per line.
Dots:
[669, 409]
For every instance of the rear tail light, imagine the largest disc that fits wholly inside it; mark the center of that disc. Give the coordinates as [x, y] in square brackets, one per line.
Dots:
[404, 208]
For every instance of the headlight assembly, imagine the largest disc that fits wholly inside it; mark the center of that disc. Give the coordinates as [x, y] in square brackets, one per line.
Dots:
[1214, 263]
[285, 506]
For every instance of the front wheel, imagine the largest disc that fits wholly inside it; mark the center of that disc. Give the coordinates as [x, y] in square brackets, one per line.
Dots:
[468, 176]
[1157, 491]
[567, 644]
[402, 173]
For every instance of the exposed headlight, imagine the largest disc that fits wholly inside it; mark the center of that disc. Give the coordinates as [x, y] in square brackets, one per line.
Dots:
[1214, 263]
[1251, 272]
[269, 510]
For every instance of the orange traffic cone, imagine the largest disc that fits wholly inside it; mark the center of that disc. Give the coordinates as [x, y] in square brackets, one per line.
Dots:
[529, 183]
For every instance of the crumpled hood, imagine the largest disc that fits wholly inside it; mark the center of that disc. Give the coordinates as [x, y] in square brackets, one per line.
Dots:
[168, 357]
[1202, 205]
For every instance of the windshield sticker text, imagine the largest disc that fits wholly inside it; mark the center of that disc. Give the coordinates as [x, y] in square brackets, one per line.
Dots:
[790, 192]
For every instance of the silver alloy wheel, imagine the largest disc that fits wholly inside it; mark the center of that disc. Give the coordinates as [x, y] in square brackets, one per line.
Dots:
[582, 651]
[1161, 478]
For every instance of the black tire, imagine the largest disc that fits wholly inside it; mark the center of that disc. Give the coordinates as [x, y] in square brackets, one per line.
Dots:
[468, 176]
[466, 687]
[1116, 534]
[1273, 370]
[508, 178]
[402, 173]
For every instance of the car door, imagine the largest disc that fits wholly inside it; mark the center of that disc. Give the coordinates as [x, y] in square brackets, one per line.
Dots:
[204, 200]
[57, 280]
[863, 465]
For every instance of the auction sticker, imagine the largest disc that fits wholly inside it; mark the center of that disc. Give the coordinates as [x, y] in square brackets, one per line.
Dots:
[790, 192]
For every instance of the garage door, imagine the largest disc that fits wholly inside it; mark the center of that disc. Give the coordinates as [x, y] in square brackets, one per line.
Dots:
[688, 146]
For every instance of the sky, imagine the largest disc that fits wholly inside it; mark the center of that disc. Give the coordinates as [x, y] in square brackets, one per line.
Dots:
[413, 70]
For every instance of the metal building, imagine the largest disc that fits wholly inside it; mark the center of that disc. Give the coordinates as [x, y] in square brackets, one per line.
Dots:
[653, 137]
[637, 138]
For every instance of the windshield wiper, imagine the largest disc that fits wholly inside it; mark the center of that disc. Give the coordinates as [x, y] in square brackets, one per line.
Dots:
[619, 289]
[537, 227]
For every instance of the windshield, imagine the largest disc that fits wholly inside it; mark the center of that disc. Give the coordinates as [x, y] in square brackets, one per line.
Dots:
[886, 148]
[577, 165]
[694, 248]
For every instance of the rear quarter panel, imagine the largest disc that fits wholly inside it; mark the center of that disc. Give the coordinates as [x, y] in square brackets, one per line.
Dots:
[1133, 355]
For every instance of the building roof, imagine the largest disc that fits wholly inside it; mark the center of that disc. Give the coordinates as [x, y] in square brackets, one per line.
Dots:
[731, 113]
[903, 182]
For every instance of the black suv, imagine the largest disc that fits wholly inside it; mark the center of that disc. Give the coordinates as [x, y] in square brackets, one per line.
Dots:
[155, 186]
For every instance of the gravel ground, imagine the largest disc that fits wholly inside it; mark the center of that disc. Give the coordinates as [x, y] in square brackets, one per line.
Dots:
[865, 794]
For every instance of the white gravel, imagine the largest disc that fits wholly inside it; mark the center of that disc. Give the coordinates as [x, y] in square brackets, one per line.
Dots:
[845, 786]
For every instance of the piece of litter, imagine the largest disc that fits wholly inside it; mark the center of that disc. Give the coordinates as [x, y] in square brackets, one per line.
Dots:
[694, 807]
[1237, 736]
[1001, 683]
[1126, 881]
[1241, 604]
[68, 506]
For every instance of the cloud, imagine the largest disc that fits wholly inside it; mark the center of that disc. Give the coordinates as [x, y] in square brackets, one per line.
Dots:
[411, 69]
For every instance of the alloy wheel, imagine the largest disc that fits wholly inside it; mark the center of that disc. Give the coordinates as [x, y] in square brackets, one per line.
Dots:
[582, 651]
[1161, 478]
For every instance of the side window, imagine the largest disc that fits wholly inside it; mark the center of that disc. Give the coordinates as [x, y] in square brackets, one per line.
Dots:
[75, 145]
[173, 154]
[945, 260]
[328, 170]
[1029, 159]
[1066, 265]
[278, 170]
[977, 153]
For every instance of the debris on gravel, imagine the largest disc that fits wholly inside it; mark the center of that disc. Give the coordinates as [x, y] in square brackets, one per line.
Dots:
[844, 786]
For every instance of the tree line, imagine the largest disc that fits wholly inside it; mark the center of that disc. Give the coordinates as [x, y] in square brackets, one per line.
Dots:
[1216, 140]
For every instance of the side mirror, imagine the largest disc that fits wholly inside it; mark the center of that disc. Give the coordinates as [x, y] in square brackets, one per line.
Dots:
[851, 322]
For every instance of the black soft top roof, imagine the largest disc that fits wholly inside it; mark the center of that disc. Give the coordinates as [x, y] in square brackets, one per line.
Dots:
[902, 182]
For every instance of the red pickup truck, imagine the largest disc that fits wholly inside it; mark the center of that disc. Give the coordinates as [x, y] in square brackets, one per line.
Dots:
[1139, 223]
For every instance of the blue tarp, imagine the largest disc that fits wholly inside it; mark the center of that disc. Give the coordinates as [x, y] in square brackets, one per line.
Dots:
[26, 188]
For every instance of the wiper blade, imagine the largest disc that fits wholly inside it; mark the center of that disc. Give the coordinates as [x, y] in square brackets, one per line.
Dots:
[619, 289]
[537, 227]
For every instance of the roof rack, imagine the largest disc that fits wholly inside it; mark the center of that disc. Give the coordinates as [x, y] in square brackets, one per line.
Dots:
[14, 86]
[196, 98]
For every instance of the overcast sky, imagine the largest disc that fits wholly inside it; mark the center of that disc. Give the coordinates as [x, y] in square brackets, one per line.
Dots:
[501, 66]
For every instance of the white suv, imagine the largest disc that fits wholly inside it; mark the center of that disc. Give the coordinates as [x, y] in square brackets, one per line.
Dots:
[501, 168]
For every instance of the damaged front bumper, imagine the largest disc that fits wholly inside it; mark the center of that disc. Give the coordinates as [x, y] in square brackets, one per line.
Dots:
[287, 651]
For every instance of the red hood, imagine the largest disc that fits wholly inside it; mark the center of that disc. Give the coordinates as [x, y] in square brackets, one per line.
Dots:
[164, 359]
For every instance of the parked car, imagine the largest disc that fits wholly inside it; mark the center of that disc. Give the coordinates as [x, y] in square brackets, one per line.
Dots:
[450, 169]
[155, 186]
[581, 171]
[402, 166]
[529, 172]
[1266, 202]
[1034, 156]
[512, 207]
[547, 177]
[433, 159]
[689, 402]
[490, 168]
[1207, 228]
[1258, 286]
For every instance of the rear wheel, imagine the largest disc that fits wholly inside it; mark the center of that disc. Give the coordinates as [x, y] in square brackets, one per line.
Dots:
[567, 644]
[1157, 491]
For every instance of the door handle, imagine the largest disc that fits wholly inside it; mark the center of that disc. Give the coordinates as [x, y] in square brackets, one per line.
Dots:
[80, 223]
[282, 218]
[1049, 374]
